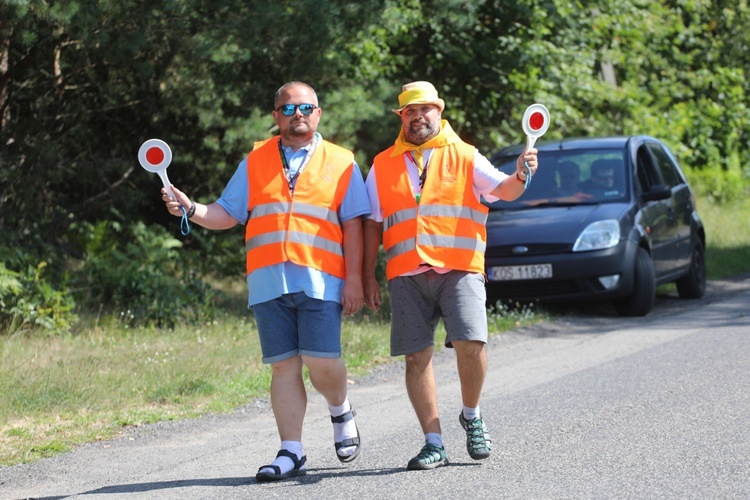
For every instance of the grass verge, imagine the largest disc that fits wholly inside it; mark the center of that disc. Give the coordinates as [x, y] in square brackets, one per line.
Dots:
[727, 237]
[59, 392]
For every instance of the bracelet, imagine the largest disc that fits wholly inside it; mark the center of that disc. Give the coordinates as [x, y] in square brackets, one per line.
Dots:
[518, 178]
[191, 210]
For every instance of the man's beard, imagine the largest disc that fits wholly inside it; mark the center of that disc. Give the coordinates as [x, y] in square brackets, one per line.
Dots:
[296, 133]
[420, 131]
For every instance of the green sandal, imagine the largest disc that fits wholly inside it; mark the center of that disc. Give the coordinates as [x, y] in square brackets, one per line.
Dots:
[298, 470]
[478, 441]
[430, 457]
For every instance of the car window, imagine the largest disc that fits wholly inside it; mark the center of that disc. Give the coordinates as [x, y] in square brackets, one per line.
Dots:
[656, 167]
[647, 174]
[666, 167]
[570, 178]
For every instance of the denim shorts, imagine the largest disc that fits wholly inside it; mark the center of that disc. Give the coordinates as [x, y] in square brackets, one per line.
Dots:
[295, 324]
[418, 302]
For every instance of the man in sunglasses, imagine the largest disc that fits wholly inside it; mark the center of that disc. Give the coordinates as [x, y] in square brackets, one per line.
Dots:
[302, 200]
[424, 194]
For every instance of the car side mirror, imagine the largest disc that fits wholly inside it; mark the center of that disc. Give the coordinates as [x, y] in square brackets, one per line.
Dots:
[657, 192]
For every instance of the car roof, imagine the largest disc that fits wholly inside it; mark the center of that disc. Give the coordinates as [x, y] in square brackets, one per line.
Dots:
[571, 144]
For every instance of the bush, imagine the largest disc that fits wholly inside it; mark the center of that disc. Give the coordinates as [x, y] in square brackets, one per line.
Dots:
[720, 186]
[29, 300]
[140, 276]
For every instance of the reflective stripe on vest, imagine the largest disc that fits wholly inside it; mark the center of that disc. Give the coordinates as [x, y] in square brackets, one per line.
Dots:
[300, 208]
[294, 237]
[451, 241]
[436, 231]
[304, 229]
[437, 211]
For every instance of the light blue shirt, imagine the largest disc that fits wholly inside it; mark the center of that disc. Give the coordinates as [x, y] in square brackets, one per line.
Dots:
[270, 282]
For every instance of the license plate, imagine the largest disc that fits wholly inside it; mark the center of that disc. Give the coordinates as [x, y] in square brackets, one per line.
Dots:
[513, 273]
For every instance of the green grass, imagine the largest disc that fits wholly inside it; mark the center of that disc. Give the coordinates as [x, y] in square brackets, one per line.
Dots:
[727, 238]
[57, 392]
[61, 391]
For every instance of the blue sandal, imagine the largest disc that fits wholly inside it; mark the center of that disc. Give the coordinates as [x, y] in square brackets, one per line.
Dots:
[347, 442]
[298, 469]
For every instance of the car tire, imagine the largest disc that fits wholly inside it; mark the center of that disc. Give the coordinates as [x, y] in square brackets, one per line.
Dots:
[693, 284]
[640, 302]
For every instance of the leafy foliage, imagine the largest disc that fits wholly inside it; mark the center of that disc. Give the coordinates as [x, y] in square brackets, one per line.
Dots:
[83, 84]
[29, 300]
[140, 276]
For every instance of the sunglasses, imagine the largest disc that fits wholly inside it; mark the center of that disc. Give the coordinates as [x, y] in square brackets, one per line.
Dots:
[290, 109]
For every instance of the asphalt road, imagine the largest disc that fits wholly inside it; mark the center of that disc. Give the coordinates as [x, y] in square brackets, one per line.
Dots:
[591, 406]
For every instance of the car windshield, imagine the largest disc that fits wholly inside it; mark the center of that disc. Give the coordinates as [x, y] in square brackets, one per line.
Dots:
[570, 178]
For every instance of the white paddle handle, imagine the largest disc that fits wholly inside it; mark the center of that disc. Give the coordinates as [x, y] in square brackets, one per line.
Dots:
[165, 180]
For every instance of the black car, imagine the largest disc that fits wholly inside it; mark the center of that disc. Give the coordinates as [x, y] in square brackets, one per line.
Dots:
[607, 218]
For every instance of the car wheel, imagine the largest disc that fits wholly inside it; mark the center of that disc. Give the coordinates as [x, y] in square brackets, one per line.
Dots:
[642, 299]
[693, 284]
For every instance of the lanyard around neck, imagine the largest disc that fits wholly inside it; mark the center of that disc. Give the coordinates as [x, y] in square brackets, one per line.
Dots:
[423, 174]
[291, 179]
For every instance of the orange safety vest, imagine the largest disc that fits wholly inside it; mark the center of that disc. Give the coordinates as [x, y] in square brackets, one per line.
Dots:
[304, 229]
[447, 227]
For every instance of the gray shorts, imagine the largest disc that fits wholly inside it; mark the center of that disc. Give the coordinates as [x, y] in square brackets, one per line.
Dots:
[418, 302]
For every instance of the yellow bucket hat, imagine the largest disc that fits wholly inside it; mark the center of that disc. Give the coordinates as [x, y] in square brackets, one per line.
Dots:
[418, 93]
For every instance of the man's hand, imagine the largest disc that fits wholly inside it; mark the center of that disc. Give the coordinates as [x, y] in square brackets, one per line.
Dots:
[174, 204]
[351, 298]
[372, 293]
[529, 158]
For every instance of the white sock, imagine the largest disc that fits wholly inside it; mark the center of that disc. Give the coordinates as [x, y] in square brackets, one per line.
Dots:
[346, 430]
[471, 413]
[434, 438]
[285, 464]
[339, 410]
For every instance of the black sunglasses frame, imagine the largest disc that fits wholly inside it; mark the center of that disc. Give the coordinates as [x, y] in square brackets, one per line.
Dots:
[290, 109]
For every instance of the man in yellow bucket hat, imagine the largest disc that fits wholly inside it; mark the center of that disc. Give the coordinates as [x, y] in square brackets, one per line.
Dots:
[424, 196]
[419, 93]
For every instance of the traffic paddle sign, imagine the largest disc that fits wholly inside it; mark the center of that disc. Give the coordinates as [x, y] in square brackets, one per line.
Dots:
[535, 123]
[155, 156]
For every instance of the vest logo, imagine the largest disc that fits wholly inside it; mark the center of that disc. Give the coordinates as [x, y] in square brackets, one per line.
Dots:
[327, 174]
[449, 173]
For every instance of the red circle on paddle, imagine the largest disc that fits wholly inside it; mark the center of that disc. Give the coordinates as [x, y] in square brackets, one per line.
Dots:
[536, 121]
[155, 155]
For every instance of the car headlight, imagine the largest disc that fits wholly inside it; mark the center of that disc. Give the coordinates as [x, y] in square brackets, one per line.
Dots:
[598, 235]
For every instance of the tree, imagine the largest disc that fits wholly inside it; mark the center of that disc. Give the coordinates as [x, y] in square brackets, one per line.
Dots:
[83, 84]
